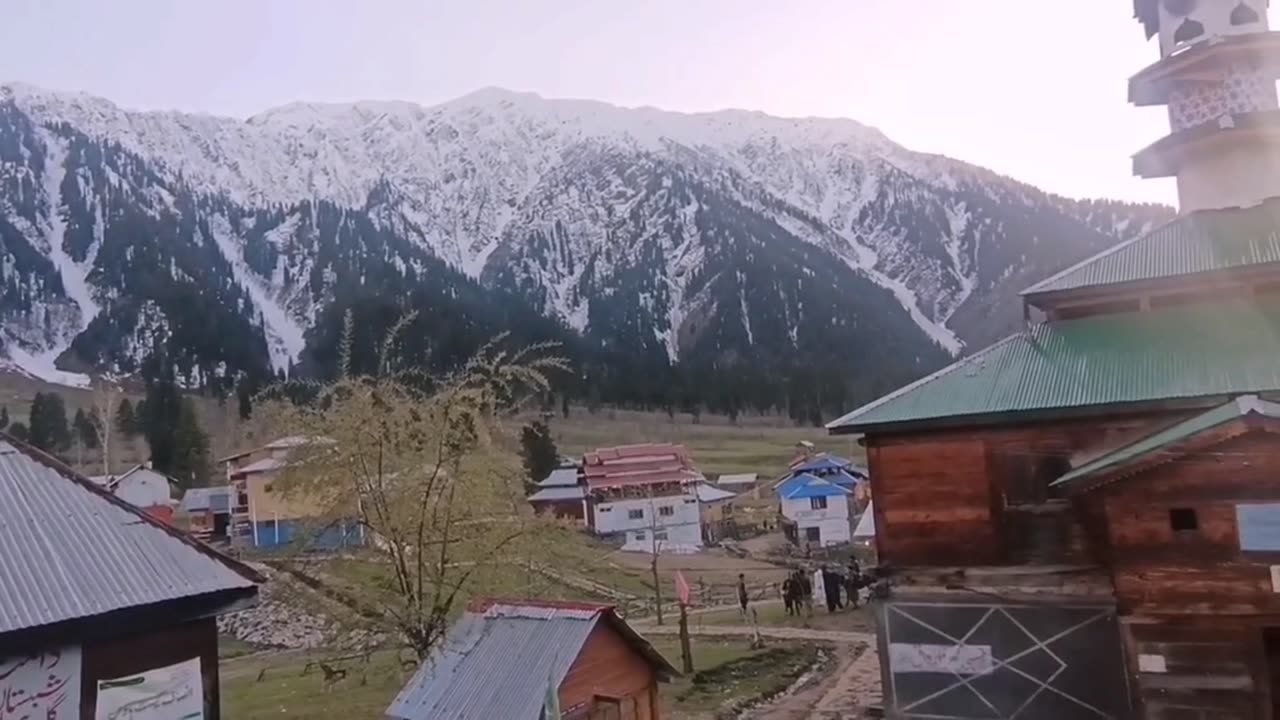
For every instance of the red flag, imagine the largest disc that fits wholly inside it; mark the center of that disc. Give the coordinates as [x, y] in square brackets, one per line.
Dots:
[682, 588]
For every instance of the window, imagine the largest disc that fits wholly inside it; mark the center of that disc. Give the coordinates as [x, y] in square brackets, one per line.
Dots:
[817, 503]
[639, 536]
[660, 535]
[635, 514]
[1183, 520]
[666, 511]
[813, 534]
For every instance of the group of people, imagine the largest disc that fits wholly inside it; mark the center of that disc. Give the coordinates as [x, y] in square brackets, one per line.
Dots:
[834, 586]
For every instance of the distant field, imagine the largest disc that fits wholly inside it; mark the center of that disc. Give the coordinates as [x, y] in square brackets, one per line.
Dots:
[759, 444]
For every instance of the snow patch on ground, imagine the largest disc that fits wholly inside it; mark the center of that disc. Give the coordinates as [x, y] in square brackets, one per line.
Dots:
[285, 336]
[41, 366]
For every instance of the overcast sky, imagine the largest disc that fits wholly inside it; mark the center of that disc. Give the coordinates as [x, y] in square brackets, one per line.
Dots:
[1031, 88]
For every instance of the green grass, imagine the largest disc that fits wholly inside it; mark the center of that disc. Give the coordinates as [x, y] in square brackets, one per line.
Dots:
[727, 670]
[230, 646]
[284, 692]
[775, 615]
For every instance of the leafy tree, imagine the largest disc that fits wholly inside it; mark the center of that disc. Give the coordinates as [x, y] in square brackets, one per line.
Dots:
[20, 432]
[85, 429]
[417, 460]
[47, 420]
[538, 451]
[191, 449]
[125, 420]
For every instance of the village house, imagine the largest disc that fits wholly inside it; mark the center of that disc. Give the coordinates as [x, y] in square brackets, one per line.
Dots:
[715, 512]
[104, 610]
[533, 659]
[563, 495]
[817, 498]
[142, 487]
[644, 496]
[207, 512]
[263, 517]
[1081, 520]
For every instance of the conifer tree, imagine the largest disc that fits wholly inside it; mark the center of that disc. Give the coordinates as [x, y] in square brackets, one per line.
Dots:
[84, 429]
[4, 417]
[538, 451]
[48, 423]
[190, 449]
[125, 419]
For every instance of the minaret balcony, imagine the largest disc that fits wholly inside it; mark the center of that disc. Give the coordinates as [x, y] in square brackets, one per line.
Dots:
[1170, 155]
[1207, 62]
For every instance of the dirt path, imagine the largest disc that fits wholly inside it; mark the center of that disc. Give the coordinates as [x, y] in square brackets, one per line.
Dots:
[845, 692]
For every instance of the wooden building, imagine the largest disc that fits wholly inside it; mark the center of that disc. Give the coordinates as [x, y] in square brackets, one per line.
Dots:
[104, 610]
[508, 659]
[1080, 520]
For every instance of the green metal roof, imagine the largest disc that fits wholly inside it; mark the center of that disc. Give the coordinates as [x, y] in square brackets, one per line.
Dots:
[1234, 410]
[1193, 351]
[1199, 242]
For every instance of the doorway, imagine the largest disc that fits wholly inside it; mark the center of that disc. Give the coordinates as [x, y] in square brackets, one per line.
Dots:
[1271, 644]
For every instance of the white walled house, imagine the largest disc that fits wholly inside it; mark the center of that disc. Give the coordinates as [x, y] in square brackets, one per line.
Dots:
[816, 512]
[140, 486]
[644, 496]
[672, 521]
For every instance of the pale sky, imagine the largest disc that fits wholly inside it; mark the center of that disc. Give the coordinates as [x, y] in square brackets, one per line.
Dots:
[1030, 88]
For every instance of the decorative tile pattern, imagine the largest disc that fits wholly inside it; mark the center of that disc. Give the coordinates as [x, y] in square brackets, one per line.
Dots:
[1241, 89]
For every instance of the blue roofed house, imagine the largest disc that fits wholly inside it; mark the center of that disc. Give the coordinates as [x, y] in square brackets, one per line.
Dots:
[103, 607]
[534, 659]
[815, 511]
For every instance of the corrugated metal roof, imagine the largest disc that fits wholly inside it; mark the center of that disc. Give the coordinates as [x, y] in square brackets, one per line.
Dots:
[737, 479]
[1234, 410]
[1199, 242]
[808, 486]
[211, 498]
[561, 477]
[552, 494]
[1194, 351]
[264, 465]
[708, 494]
[496, 664]
[70, 550]
[821, 462]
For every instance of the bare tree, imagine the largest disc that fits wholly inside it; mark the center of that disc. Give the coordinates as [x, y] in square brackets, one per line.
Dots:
[420, 464]
[106, 397]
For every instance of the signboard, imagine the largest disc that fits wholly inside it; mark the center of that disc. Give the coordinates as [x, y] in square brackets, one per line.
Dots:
[1152, 663]
[956, 659]
[1259, 527]
[45, 686]
[168, 693]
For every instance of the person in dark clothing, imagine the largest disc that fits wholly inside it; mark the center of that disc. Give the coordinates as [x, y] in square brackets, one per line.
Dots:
[742, 593]
[831, 589]
[788, 596]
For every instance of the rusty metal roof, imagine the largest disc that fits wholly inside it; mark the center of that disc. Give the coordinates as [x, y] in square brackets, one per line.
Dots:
[499, 662]
[1190, 352]
[1205, 241]
[70, 550]
[1236, 409]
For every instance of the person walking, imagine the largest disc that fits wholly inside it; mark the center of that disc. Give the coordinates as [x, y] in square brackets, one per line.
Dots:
[742, 593]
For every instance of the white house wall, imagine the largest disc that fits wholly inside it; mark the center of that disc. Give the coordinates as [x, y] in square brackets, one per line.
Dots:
[833, 522]
[682, 529]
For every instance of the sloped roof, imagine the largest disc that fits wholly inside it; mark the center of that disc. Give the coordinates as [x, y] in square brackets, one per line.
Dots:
[499, 660]
[1201, 351]
[70, 550]
[737, 479]
[647, 464]
[807, 486]
[207, 498]
[708, 493]
[822, 461]
[561, 477]
[1200, 242]
[1163, 440]
[559, 493]
[111, 481]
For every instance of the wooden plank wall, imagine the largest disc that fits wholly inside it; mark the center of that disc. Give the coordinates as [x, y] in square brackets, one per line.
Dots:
[1160, 571]
[1214, 668]
[607, 666]
[942, 497]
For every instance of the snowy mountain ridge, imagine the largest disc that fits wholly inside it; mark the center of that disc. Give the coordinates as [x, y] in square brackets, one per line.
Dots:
[665, 224]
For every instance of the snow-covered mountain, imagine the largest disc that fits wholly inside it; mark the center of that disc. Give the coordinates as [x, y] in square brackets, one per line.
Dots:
[727, 237]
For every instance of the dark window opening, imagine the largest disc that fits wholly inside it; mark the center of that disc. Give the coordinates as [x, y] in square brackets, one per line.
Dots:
[817, 503]
[813, 534]
[1183, 520]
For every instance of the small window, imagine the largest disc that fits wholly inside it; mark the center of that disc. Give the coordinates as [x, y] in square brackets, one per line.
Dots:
[1183, 520]
[818, 503]
[604, 508]
[666, 511]
[639, 536]
[660, 536]
[813, 534]
[635, 514]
